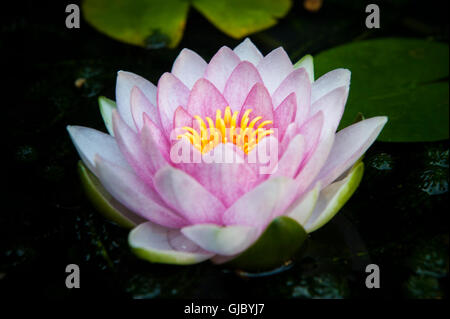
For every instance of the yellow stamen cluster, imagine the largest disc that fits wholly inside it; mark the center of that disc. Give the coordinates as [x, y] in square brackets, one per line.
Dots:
[226, 130]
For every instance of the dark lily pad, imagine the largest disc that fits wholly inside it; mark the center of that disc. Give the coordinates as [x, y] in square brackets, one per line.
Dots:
[277, 245]
[405, 79]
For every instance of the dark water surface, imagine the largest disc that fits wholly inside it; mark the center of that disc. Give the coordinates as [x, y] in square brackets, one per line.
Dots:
[397, 219]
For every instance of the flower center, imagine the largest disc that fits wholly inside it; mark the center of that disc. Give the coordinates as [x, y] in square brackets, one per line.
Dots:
[225, 130]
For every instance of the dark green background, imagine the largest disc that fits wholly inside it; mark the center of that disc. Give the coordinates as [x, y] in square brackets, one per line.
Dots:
[396, 219]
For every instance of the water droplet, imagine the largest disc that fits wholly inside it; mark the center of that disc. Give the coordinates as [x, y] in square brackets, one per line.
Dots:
[26, 153]
[435, 181]
[381, 162]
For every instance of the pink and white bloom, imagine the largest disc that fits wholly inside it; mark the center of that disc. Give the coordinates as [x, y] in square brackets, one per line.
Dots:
[185, 213]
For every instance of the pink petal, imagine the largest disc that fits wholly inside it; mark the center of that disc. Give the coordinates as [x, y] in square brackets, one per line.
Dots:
[155, 145]
[332, 105]
[259, 101]
[285, 114]
[172, 93]
[297, 81]
[90, 142]
[290, 161]
[137, 196]
[274, 68]
[140, 105]
[189, 67]
[125, 83]
[224, 173]
[328, 82]
[183, 154]
[291, 131]
[350, 143]
[205, 99]
[188, 197]
[256, 207]
[312, 167]
[241, 80]
[304, 179]
[247, 51]
[220, 67]
[182, 118]
[130, 145]
[312, 131]
[228, 241]
[264, 157]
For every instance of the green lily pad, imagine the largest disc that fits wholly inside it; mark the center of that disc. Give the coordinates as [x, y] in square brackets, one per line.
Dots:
[404, 79]
[238, 18]
[104, 202]
[146, 23]
[155, 24]
[277, 245]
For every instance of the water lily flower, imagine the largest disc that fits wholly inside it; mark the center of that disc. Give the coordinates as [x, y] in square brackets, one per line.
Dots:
[237, 106]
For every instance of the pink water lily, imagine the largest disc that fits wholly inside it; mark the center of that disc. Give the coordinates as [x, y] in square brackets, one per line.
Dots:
[188, 212]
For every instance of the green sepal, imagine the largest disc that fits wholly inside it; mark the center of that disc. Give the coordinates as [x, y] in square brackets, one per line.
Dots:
[106, 109]
[306, 62]
[103, 201]
[338, 193]
[277, 245]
